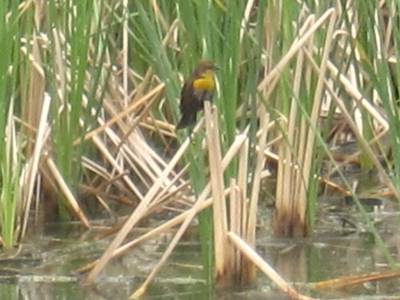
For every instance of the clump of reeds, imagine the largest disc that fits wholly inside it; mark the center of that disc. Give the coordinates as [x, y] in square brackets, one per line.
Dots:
[91, 95]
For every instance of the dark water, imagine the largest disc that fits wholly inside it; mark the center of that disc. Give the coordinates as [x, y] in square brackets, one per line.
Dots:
[341, 245]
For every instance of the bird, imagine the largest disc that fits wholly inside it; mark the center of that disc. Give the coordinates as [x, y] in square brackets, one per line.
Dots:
[198, 88]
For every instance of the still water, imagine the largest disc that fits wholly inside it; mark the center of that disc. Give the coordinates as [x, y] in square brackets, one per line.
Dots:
[341, 245]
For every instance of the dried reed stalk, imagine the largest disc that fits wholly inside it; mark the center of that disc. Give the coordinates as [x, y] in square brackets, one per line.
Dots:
[223, 261]
[235, 213]
[353, 91]
[268, 81]
[248, 272]
[32, 170]
[117, 117]
[239, 212]
[297, 155]
[138, 214]
[66, 191]
[347, 281]
[265, 267]
[230, 154]
[309, 156]
[35, 113]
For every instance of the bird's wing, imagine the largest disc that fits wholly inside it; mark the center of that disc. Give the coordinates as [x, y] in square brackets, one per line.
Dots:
[186, 94]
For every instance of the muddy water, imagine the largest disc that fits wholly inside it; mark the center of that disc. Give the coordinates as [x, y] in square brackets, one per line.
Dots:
[341, 245]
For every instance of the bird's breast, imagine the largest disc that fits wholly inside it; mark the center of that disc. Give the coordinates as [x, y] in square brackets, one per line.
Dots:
[204, 83]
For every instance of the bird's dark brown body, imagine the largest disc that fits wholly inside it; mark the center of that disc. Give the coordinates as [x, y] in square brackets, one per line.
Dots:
[199, 88]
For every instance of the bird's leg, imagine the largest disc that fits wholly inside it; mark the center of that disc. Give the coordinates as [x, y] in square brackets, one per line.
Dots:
[191, 135]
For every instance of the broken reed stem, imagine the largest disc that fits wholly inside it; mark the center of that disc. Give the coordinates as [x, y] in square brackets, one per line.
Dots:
[222, 259]
[158, 230]
[310, 154]
[288, 161]
[237, 144]
[347, 281]
[105, 151]
[258, 261]
[242, 184]
[248, 272]
[277, 70]
[255, 191]
[236, 218]
[354, 92]
[33, 165]
[67, 192]
[242, 266]
[291, 153]
[296, 156]
[235, 147]
[138, 213]
[134, 106]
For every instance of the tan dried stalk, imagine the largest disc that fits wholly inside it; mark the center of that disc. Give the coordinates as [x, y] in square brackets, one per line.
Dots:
[139, 212]
[296, 156]
[233, 150]
[301, 206]
[268, 82]
[32, 169]
[66, 191]
[265, 268]
[223, 262]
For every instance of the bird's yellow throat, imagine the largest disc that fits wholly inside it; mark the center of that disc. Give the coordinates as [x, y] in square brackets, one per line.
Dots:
[205, 82]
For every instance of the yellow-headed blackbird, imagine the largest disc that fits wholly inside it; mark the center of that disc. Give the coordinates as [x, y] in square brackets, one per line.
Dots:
[199, 88]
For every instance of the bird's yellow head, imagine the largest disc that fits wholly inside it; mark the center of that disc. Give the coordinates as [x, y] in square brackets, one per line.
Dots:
[204, 76]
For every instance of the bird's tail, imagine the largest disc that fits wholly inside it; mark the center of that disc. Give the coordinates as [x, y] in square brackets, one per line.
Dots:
[186, 120]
